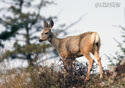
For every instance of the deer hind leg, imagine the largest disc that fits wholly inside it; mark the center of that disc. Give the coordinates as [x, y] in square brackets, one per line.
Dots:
[90, 61]
[73, 65]
[65, 67]
[96, 54]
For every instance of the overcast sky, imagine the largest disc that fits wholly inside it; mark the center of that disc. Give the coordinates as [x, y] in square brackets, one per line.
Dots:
[98, 16]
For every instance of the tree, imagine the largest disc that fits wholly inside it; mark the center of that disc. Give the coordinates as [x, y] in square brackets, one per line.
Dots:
[21, 27]
[114, 60]
[121, 45]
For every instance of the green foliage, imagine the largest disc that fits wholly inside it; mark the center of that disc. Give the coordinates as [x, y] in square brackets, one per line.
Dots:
[25, 50]
[7, 34]
[122, 44]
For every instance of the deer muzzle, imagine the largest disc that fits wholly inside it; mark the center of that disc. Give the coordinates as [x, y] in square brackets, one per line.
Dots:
[40, 40]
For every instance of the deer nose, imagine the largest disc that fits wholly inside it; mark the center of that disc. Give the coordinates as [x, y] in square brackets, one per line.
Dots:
[40, 40]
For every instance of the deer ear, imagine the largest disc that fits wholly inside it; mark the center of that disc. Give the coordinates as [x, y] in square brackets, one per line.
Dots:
[51, 23]
[45, 23]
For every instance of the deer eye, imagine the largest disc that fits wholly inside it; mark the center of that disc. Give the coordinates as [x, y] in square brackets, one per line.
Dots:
[46, 33]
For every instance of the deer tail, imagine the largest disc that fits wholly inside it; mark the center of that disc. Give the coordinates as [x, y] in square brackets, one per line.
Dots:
[96, 40]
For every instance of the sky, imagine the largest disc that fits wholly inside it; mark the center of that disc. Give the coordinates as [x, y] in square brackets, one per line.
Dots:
[102, 16]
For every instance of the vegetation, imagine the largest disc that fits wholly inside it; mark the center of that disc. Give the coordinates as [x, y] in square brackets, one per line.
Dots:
[119, 55]
[49, 77]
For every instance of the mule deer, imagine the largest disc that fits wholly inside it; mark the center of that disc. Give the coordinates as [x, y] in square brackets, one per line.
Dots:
[74, 46]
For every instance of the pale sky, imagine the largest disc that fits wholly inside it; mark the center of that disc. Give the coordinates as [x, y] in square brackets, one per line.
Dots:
[99, 19]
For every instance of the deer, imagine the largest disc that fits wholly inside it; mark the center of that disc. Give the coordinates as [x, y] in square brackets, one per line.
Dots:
[72, 47]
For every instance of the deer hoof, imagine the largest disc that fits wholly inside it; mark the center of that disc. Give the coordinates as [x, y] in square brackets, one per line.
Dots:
[101, 77]
[87, 79]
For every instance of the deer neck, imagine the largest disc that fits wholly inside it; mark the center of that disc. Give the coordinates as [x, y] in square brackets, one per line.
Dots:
[54, 40]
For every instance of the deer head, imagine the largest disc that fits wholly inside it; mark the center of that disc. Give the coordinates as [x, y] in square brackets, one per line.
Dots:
[45, 35]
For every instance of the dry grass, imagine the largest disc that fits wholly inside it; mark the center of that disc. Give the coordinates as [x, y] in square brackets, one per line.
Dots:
[14, 79]
[47, 77]
[38, 77]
